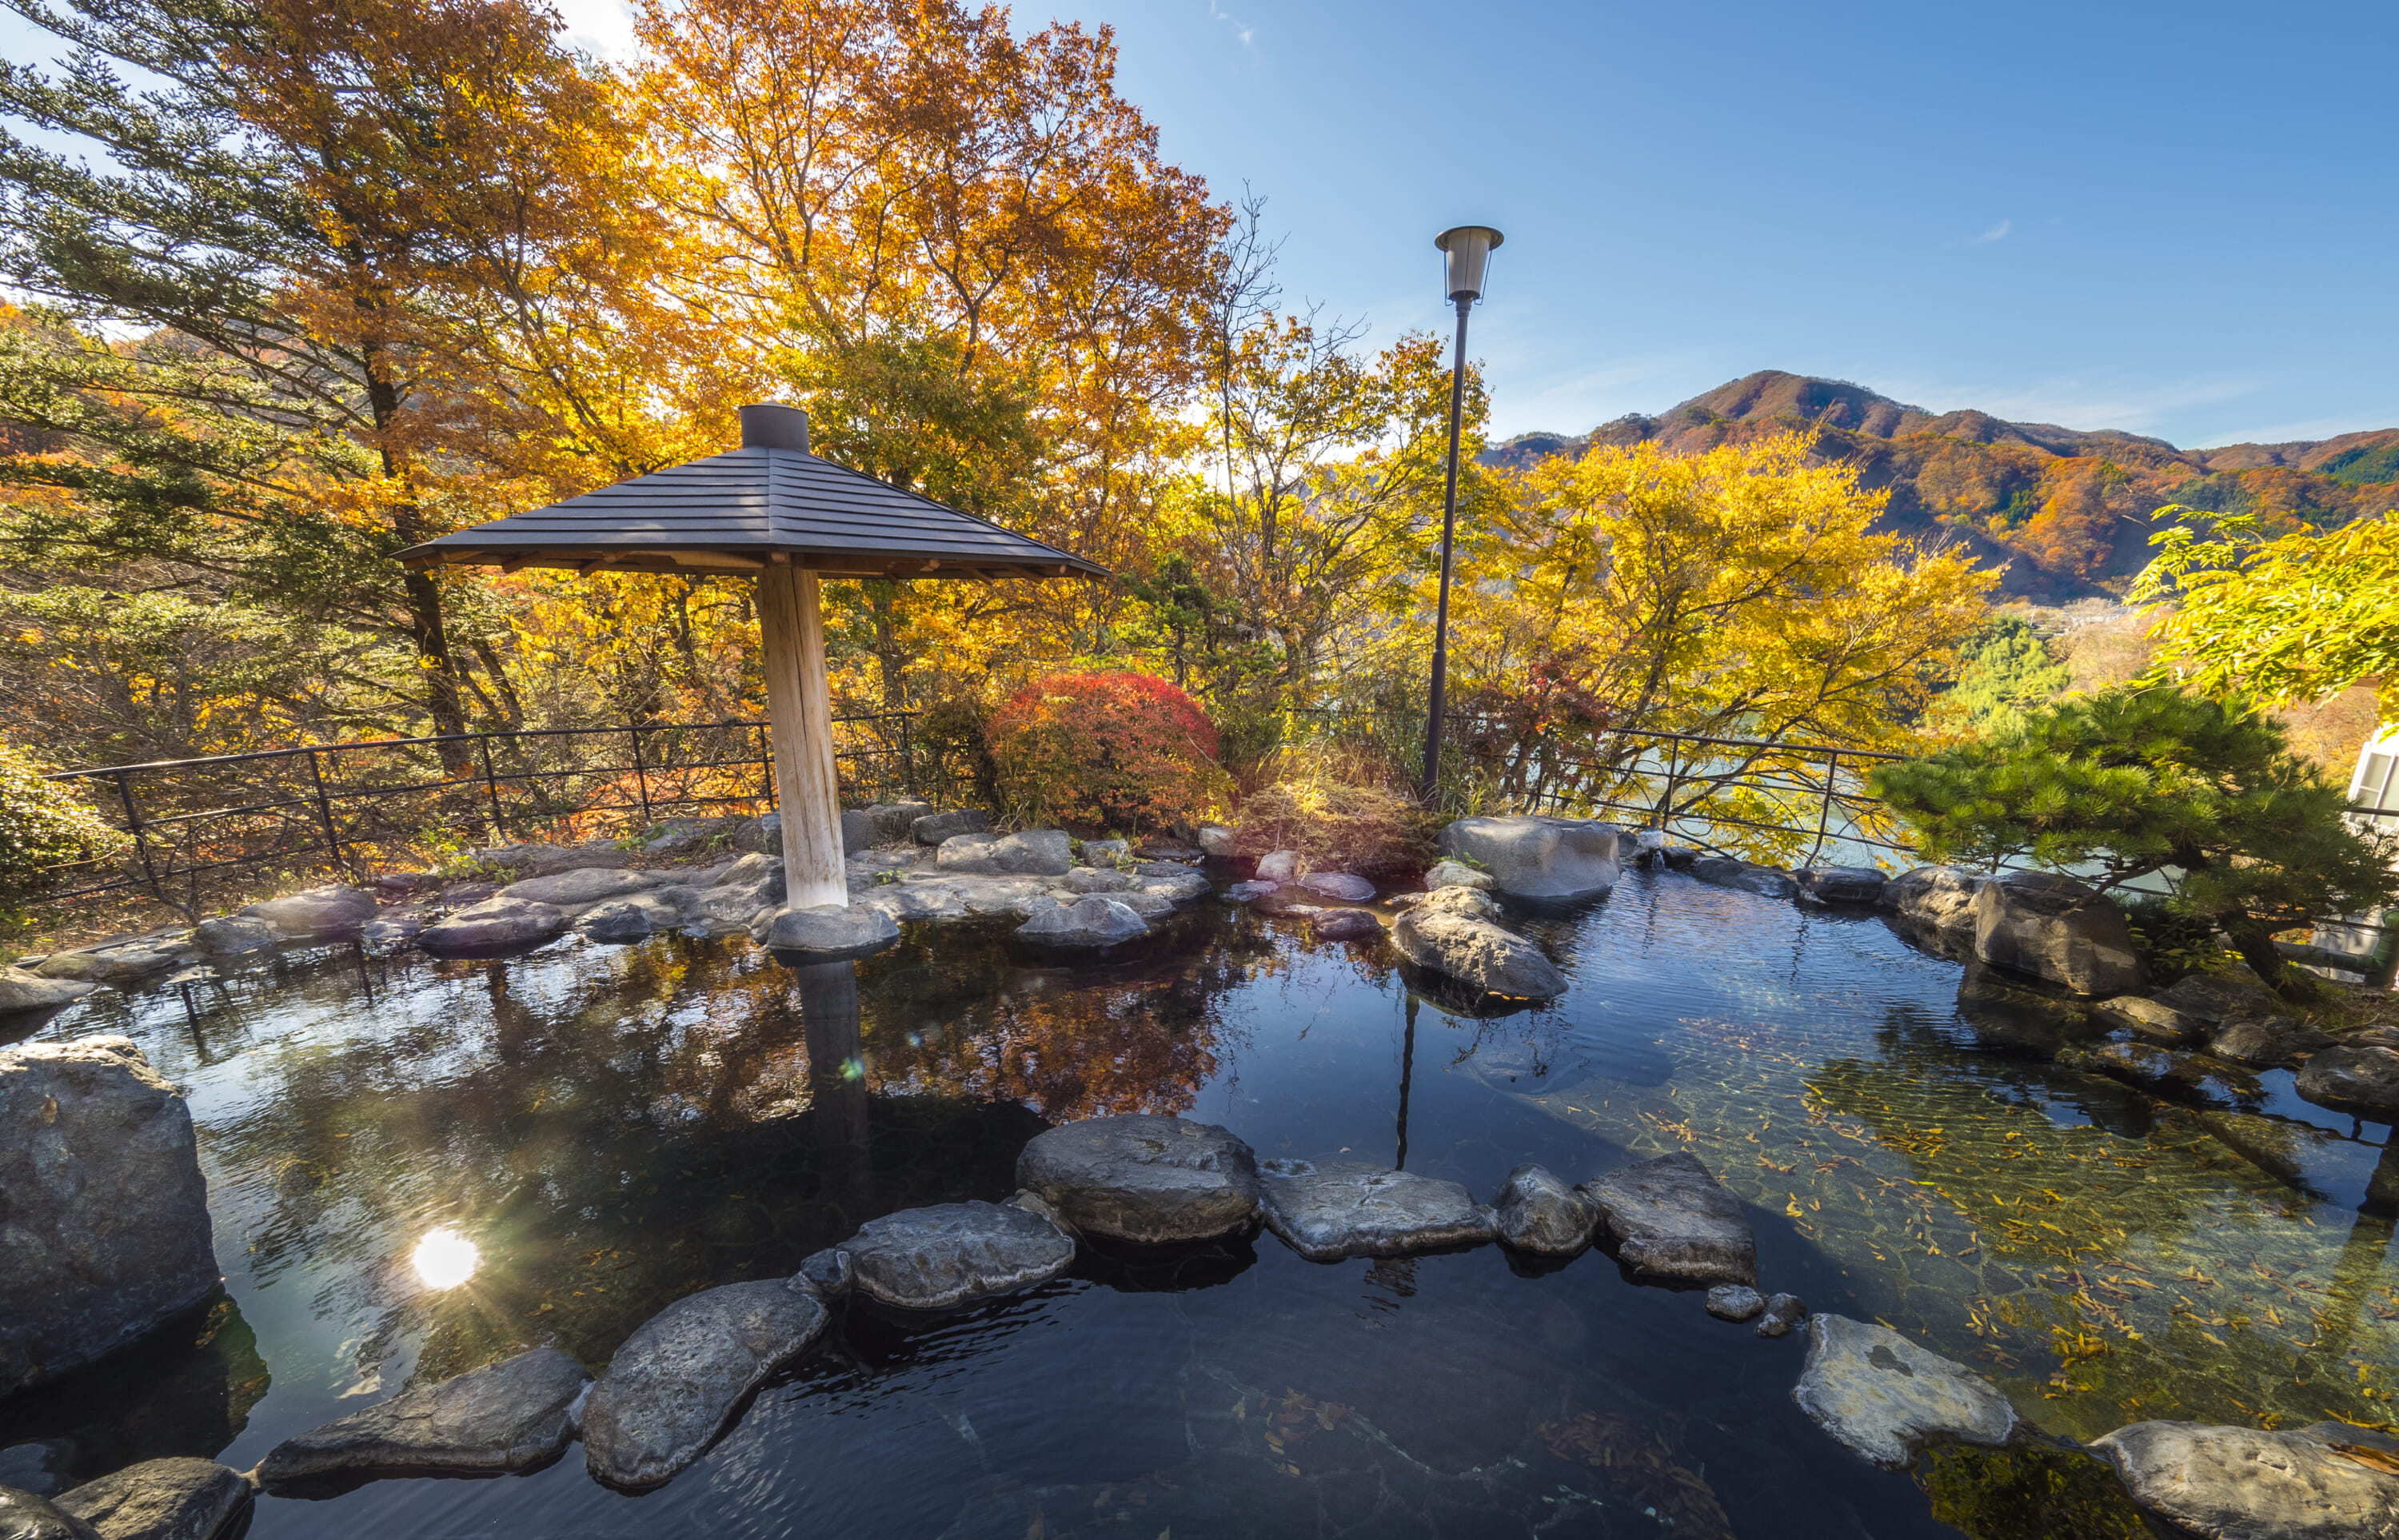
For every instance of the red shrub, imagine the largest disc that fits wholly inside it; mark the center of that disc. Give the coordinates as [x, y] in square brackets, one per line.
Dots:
[1123, 751]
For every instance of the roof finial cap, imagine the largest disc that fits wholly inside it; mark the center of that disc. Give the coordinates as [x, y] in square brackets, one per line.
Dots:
[772, 425]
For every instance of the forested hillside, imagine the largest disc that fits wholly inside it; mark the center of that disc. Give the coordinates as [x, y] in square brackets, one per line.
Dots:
[2066, 511]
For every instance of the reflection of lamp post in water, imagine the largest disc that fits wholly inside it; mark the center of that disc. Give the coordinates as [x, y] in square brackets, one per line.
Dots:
[829, 1021]
[1407, 1072]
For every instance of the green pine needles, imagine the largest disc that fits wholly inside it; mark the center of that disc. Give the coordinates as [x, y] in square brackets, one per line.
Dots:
[2118, 785]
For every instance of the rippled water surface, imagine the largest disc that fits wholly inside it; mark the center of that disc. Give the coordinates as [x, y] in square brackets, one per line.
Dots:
[615, 1127]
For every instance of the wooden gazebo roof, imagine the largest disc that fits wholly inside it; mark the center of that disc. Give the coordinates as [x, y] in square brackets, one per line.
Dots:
[769, 503]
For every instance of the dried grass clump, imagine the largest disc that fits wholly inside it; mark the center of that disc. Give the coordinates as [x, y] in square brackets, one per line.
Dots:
[1341, 811]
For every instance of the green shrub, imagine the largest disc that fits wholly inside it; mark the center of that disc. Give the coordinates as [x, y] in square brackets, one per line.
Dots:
[2133, 781]
[2004, 670]
[43, 826]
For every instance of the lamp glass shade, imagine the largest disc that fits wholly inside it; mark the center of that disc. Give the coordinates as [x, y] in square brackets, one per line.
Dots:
[1469, 247]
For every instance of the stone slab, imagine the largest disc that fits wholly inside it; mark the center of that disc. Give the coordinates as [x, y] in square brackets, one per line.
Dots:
[1329, 1210]
[1885, 1399]
[1145, 1178]
[509, 1416]
[951, 1254]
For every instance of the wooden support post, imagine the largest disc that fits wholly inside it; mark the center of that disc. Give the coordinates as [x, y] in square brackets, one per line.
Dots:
[799, 722]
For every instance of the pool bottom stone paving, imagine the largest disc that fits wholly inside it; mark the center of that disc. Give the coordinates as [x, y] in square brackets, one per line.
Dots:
[619, 1126]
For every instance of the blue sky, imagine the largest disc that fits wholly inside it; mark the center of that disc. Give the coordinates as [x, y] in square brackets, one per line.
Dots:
[2177, 220]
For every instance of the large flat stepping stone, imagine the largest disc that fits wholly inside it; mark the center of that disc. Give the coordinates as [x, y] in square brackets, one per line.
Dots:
[1885, 1399]
[493, 924]
[1329, 1210]
[1669, 1218]
[1537, 1212]
[1143, 1178]
[159, 1500]
[506, 1416]
[2244, 1483]
[952, 1254]
[675, 1384]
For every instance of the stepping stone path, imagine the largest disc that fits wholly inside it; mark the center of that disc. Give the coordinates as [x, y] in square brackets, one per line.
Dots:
[954, 1254]
[678, 1379]
[504, 1416]
[1537, 1212]
[1885, 1399]
[1326, 1210]
[1143, 1178]
[159, 1500]
[1669, 1218]
[2244, 1483]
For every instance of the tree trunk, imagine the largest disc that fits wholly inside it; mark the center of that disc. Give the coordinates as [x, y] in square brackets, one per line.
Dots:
[2255, 944]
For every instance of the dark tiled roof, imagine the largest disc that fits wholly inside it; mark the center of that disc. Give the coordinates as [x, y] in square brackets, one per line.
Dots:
[736, 512]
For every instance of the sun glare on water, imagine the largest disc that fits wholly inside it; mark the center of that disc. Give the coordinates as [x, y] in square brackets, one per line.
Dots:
[444, 1259]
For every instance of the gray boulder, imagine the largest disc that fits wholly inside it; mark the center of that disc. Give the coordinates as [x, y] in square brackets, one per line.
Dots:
[2053, 928]
[104, 1224]
[1216, 841]
[2266, 1042]
[1939, 898]
[26, 1516]
[2361, 1080]
[760, 836]
[1241, 893]
[1086, 879]
[1339, 887]
[1735, 1302]
[1885, 1399]
[1345, 925]
[827, 1272]
[858, 830]
[1180, 884]
[1449, 873]
[1326, 1210]
[935, 828]
[1840, 885]
[492, 926]
[538, 859]
[1452, 933]
[677, 1381]
[1537, 1212]
[1764, 881]
[587, 885]
[2211, 998]
[509, 1416]
[954, 1254]
[1035, 853]
[828, 932]
[616, 921]
[1534, 857]
[2244, 1483]
[234, 935]
[2150, 1019]
[894, 821]
[1149, 906]
[1143, 1178]
[171, 1499]
[318, 913]
[1105, 852]
[1669, 1218]
[1097, 921]
[392, 928]
[21, 991]
[125, 963]
[1782, 1312]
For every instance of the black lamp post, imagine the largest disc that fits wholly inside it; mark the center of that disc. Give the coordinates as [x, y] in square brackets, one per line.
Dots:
[1469, 249]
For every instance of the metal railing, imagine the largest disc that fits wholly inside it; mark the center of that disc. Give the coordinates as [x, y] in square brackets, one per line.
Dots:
[192, 823]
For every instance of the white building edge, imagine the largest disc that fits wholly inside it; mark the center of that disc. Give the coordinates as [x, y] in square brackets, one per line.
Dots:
[2374, 797]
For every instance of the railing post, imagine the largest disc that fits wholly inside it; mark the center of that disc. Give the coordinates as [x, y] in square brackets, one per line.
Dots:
[492, 789]
[640, 775]
[908, 751]
[766, 765]
[324, 809]
[1824, 813]
[133, 821]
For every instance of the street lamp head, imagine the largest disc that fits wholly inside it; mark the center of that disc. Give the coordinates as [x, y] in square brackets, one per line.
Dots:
[1469, 248]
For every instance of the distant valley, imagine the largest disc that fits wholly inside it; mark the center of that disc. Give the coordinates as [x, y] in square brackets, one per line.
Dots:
[2067, 512]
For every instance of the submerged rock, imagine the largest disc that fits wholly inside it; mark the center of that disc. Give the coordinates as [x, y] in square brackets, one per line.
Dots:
[492, 926]
[680, 1377]
[2243, 1483]
[1885, 1399]
[26, 1516]
[1840, 885]
[1449, 873]
[952, 1254]
[1783, 1313]
[1764, 881]
[104, 1213]
[1340, 887]
[21, 991]
[2055, 928]
[1143, 1178]
[1536, 857]
[1537, 1212]
[1346, 924]
[317, 913]
[1735, 1302]
[1097, 921]
[160, 1500]
[1329, 1210]
[2360, 1080]
[2150, 1019]
[1452, 933]
[827, 932]
[509, 1416]
[2173, 1071]
[1670, 1219]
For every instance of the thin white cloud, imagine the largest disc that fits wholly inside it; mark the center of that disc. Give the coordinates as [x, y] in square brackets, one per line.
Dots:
[2083, 401]
[1996, 232]
[1243, 32]
[604, 27]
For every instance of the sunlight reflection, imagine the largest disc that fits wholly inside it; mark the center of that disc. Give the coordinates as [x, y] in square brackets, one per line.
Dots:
[445, 1259]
